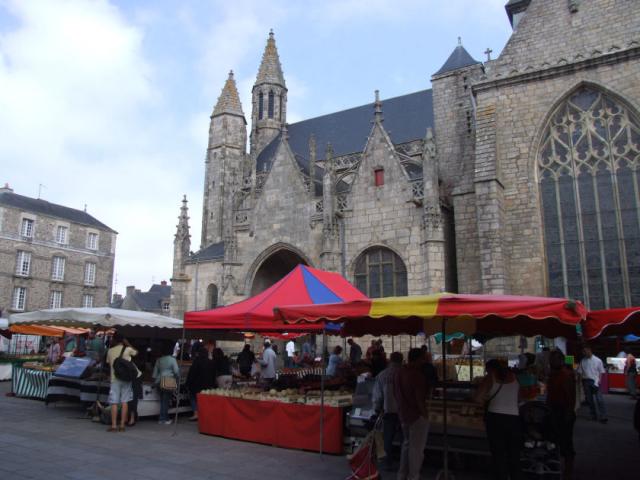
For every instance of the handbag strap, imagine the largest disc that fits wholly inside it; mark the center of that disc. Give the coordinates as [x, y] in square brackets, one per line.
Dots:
[122, 351]
[486, 406]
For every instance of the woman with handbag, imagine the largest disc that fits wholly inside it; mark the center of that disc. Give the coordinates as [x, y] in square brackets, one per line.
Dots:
[165, 374]
[499, 391]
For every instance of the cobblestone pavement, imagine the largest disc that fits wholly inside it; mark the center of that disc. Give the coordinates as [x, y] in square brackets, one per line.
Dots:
[57, 442]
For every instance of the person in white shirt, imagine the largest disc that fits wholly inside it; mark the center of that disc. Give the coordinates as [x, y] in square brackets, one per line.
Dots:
[591, 369]
[268, 363]
[291, 350]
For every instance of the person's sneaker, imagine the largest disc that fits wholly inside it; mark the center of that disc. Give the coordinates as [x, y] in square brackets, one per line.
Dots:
[168, 422]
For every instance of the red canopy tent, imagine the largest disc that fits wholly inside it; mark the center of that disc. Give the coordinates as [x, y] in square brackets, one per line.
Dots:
[303, 285]
[615, 321]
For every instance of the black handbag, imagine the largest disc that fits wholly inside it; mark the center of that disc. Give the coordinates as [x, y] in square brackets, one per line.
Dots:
[124, 370]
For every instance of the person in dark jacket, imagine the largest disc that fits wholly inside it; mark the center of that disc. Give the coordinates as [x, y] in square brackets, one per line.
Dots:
[223, 369]
[245, 360]
[201, 376]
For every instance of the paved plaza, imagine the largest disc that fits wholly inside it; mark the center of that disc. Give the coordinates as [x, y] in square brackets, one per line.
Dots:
[58, 442]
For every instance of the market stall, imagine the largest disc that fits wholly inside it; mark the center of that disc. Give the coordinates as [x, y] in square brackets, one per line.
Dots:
[614, 322]
[302, 285]
[447, 313]
[92, 385]
[30, 381]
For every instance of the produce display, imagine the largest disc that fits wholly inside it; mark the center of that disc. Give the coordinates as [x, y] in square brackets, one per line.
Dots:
[43, 367]
[332, 398]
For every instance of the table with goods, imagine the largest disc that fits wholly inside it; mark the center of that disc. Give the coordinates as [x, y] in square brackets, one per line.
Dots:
[285, 414]
[616, 379]
[30, 379]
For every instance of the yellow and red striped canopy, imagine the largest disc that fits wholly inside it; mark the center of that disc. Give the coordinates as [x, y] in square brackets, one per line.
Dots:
[470, 314]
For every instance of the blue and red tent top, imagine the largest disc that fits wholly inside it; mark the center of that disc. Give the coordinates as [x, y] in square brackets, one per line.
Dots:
[302, 286]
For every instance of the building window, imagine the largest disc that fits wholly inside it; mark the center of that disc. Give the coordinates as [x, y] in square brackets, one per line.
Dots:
[23, 263]
[61, 234]
[89, 273]
[270, 107]
[260, 106]
[212, 296]
[92, 241]
[589, 184]
[27, 228]
[55, 300]
[378, 177]
[18, 301]
[381, 273]
[87, 301]
[280, 106]
[165, 307]
[57, 268]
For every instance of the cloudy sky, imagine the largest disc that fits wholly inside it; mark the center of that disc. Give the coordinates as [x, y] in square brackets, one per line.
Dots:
[107, 103]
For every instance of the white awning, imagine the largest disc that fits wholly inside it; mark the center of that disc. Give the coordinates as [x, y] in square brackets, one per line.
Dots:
[94, 317]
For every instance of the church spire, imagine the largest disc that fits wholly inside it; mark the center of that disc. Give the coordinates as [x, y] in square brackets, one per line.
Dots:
[182, 240]
[270, 70]
[229, 100]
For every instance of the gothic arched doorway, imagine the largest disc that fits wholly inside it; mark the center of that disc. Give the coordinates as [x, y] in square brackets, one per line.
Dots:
[275, 267]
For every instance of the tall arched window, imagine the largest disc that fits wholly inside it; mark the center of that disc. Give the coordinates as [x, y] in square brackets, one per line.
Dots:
[589, 162]
[280, 107]
[260, 105]
[381, 273]
[212, 296]
[270, 107]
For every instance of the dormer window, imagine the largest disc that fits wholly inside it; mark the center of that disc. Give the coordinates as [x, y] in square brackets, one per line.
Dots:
[271, 104]
[260, 106]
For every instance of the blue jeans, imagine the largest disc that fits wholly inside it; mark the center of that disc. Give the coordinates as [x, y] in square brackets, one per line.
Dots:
[165, 397]
[594, 399]
[390, 426]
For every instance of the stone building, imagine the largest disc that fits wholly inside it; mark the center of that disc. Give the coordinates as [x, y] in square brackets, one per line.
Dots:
[518, 175]
[52, 256]
[156, 300]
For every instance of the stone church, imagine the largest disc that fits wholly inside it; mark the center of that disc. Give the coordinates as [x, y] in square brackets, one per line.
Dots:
[518, 175]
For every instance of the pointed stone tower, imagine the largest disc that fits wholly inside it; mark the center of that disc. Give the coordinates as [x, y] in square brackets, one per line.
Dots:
[224, 163]
[269, 111]
[181, 249]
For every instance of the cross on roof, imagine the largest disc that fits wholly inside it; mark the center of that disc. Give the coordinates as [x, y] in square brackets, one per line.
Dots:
[487, 52]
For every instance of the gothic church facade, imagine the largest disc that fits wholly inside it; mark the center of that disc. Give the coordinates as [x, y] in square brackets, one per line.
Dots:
[518, 175]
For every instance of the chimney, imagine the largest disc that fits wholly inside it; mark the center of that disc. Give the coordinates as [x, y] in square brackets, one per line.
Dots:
[6, 188]
[130, 290]
[163, 283]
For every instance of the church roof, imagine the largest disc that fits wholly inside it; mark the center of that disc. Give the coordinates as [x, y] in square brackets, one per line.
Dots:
[270, 70]
[229, 100]
[406, 118]
[43, 207]
[214, 251]
[459, 58]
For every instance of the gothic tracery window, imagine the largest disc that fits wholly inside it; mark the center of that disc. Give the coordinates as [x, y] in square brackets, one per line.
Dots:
[212, 296]
[260, 105]
[589, 163]
[270, 106]
[380, 272]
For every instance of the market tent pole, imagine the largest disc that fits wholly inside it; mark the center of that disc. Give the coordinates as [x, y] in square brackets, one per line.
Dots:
[324, 372]
[470, 360]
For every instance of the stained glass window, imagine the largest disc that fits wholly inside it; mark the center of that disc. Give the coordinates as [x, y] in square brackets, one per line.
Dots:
[589, 163]
[381, 273]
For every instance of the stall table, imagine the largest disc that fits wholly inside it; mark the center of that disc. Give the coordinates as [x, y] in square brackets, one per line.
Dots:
[76, 389]
[280, 424]
[29, 383]
[616, 380]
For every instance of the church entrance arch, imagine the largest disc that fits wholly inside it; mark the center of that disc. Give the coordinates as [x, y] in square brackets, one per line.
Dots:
[274, 265]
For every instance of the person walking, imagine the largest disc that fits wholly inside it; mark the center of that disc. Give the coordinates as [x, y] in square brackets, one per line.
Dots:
[591, 370]
[355, 352]
[120, 390]
[411, 392]
[561, 400]
[385, 404]
[165, 374]
[224, 379]
[201, 376]
[335, 361]
[499, 392]
[290, 348]
[631, 373]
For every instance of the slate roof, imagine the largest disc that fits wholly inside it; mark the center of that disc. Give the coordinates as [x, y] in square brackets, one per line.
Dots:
[229, 100]
[212, 252]
[459, 58]
[406, 118]
[43, 207]
[270, 70]
[148, 301]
